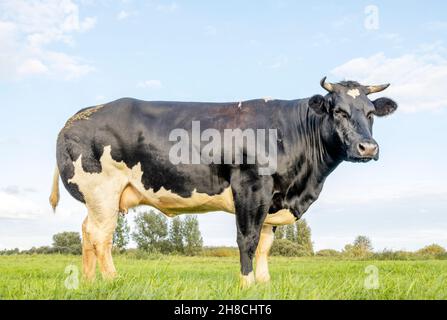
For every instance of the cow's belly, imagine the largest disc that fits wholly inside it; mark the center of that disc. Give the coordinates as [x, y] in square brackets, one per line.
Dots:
[172, 204]
[280, 218]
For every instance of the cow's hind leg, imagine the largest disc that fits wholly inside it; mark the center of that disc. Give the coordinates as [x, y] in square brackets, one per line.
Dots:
[264, 245]
[88, 254]
[99, 229]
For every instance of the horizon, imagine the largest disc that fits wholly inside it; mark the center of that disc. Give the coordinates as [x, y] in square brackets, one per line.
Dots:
[145, 209]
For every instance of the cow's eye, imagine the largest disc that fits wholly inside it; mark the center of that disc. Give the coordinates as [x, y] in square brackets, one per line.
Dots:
[341, 113]
[370, 116]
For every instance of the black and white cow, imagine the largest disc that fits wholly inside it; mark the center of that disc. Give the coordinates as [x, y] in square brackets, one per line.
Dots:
[118, 155]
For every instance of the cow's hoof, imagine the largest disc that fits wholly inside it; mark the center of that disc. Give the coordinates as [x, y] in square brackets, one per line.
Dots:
[89, 278]
[247, 281]
[109, 276]
[263, 278]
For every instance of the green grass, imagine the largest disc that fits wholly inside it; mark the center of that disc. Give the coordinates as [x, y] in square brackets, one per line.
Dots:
[172, 277]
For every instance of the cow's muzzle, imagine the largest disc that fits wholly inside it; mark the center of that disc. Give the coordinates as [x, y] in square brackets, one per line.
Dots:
[368, 149]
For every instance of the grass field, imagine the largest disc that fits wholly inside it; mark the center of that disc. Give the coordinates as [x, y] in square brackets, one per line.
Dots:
[171, 277]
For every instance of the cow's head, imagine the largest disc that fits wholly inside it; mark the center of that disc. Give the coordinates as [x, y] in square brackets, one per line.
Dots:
[351, 114]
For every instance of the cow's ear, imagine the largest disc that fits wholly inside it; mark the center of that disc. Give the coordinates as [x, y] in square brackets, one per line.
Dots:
[384, 106]
[318, 104]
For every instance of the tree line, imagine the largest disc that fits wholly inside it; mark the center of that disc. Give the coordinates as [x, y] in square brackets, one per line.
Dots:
[153, 233]
[362, 248]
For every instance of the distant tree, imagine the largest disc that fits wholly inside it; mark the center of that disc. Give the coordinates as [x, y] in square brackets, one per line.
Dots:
[328, 253]
[47, 250]
[67, 242]
[286, 248]
[290, 232]
[176, 235]
[151, 230]
[348, 250]
[361, 248]
[363, 242]
[299, 234]
[280, 232]
[192, 236]
[431, 250]
[303, 237]
[9, 252]
[122, 233]
[220, 251]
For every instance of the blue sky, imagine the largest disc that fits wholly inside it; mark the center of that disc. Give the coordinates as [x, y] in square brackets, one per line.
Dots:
[57, 57]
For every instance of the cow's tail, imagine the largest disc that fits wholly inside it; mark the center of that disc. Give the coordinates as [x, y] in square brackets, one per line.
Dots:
[54, 197]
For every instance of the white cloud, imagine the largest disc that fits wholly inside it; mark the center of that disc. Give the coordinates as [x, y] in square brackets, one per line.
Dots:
[16, 190]
[279, 62]
[395, 37]
[276, 62]
[436, 25]
[27, 28]
[123, 15]
[100, 98]
[436, 48]
[150, 84]
[32, 66]
[417, 79]
[210, 30]
[171, 7]
[16, 206]
[67, 66]
[21, 203]
[323, 39]
[344, 21]
[46, 20]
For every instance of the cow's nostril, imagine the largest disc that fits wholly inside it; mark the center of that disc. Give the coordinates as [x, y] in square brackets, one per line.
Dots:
[367, 149]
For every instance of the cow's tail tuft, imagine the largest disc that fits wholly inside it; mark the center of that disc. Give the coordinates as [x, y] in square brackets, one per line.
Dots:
[54, 197]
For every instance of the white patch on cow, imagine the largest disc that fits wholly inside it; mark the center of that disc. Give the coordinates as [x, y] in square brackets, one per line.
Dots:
[172, 204]
[265, 243]
[118, 187]
[248, 280]
[101, 193]
[354, 93]
[280, 218]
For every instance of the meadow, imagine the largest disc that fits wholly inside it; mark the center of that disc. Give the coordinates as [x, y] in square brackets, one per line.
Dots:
[178, 277]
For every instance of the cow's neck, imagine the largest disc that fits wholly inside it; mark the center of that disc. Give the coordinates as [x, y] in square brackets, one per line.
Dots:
[314, 158]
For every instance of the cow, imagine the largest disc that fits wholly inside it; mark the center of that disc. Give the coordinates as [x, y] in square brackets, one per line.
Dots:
[117, 156]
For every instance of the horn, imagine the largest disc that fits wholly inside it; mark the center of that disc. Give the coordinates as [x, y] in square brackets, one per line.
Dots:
[374, 89]
[329, 87]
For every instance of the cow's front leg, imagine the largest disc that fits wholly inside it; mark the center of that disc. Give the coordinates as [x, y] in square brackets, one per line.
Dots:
[252, 196]
[264, 245]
